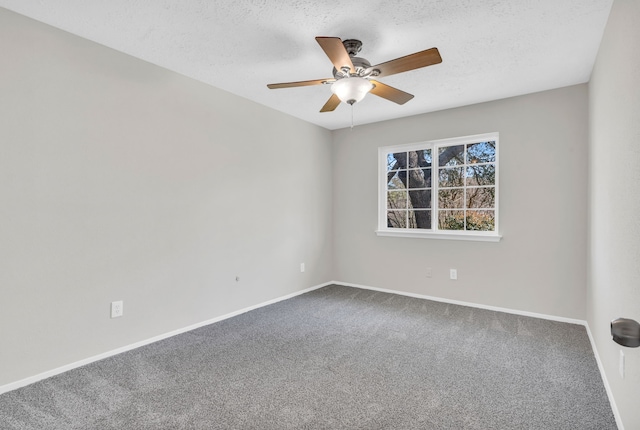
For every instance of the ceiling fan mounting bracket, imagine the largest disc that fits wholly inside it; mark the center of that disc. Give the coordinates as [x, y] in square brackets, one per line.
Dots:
[353, 46]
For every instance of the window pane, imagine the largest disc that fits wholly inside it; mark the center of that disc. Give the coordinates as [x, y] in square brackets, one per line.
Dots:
[451, 177]
[411, 219]
[397, 219]
[425, 157]
[396, 180]
[392, 164]
[419, 158]
[451, 155]
[481, 220]
[420, 178]
[481, 175]
[482, 152]
[452, 198]
[451, 220]
[396, 161]
[420, 199]
[421, 219]
[483, 197]
[397, 200]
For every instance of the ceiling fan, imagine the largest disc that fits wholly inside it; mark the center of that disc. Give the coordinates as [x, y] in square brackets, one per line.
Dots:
[352, 76]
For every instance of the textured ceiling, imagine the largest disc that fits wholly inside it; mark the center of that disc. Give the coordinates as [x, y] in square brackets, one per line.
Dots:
[491, 49]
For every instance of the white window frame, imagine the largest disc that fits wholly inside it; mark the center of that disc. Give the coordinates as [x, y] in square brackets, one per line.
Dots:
[434, 232]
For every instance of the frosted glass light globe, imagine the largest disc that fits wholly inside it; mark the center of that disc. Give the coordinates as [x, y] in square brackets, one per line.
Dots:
[352, 89]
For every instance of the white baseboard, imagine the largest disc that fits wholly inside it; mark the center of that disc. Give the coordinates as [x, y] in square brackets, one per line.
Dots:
[605, 381]
[471, 305]
[44, 375]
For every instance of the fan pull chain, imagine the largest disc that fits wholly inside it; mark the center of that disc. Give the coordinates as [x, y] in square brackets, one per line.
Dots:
[352, 116]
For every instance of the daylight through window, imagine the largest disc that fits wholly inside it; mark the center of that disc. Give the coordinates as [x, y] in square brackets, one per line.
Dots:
[446, 188]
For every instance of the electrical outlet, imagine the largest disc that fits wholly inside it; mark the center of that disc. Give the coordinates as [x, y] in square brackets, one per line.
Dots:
[302, 267]
[117, 309]
[621, 368]
[453, 274]
[428, 272]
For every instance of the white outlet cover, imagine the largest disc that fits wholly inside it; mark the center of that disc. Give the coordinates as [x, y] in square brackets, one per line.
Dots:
[453, 274]
[117, 309]
[302, 267]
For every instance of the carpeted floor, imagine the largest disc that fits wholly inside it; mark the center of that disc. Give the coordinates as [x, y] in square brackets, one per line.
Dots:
[335, 358]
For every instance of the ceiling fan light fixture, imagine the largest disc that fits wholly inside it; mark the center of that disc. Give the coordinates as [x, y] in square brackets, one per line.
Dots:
[351, 89]
[351, 75]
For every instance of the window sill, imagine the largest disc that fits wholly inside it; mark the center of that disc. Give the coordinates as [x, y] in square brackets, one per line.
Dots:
[471, 236]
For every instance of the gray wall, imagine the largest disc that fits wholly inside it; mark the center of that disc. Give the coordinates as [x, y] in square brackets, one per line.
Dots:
[120, 180]
[614, 260]
[540, 264]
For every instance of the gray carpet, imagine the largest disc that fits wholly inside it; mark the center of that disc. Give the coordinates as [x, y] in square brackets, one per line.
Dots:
[335, 358]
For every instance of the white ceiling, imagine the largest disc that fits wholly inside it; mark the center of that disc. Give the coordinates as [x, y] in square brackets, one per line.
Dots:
[491, 49]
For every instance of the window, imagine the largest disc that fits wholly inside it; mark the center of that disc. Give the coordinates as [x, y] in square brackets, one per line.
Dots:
[446, 189]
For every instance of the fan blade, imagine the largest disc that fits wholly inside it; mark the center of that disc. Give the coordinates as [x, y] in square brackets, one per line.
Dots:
[301, 83]
[336, 52]
[331, 104]
[387, 92]
[406, 63]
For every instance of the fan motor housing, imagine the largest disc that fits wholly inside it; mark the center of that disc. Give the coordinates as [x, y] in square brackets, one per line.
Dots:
[360, 64]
